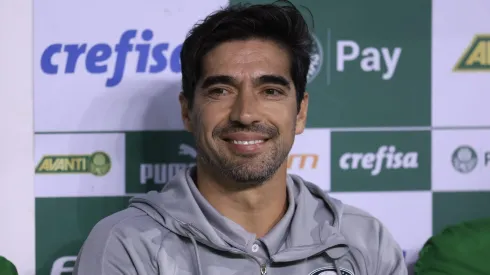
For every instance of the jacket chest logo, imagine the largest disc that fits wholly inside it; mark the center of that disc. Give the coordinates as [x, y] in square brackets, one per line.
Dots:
[330, 271]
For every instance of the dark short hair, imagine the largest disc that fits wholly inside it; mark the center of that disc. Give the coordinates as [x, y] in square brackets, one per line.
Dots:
[280, 22]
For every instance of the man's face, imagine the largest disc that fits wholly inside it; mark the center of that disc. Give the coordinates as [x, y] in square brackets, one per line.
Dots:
[244, 116]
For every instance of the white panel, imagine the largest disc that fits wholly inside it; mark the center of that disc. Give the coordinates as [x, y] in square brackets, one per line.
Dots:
[461, 160]
[16, 138]
[73, 147]
[459, 98]
[81, 99]
[313, 148]
[407, 215]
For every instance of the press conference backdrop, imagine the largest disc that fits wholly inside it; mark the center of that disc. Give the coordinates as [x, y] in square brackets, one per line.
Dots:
[399, 119]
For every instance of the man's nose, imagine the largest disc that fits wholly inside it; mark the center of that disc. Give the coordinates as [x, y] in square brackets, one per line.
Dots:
[246, 108]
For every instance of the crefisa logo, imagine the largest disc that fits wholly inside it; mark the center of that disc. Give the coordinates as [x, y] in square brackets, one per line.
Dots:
[151, 57]
[106, 58]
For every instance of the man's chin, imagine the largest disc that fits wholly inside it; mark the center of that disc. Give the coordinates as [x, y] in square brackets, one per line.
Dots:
[248, 181]
[247, 175]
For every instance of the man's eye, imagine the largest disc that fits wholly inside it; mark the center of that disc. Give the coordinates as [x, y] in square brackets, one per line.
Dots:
[218, 91]
[272, 92]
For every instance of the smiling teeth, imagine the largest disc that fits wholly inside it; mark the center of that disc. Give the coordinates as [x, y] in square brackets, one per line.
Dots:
[247, 142]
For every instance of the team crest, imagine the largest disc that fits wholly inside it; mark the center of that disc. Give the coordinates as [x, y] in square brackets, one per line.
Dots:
[316, 60]
[330, 271]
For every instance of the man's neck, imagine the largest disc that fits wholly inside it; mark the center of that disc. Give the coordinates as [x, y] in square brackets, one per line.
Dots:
[257, 209]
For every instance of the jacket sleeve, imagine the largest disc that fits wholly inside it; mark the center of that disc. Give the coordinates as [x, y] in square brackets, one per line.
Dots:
[112, 250]
[390, 256]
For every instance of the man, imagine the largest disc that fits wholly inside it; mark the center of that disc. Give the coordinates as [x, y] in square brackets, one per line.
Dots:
[238, 211]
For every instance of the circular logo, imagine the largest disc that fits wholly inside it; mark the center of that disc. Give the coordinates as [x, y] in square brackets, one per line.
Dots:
[316, 59]
[330, 271]
[464, 159]
[100, 164]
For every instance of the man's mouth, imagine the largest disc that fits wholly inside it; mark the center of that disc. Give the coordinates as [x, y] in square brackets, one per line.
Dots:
[245, 138]
[247, 142]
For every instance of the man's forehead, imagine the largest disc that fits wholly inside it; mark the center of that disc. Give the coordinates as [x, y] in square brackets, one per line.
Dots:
[246, 61]
[246, 45]
[249, 51]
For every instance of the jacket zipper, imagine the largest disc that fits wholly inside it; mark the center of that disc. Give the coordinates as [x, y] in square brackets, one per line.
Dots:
[263, 269]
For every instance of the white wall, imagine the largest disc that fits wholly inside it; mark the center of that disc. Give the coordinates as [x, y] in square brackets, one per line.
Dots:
[16, 135]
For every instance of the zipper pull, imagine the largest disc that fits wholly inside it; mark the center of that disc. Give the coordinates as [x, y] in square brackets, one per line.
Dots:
[263, 270]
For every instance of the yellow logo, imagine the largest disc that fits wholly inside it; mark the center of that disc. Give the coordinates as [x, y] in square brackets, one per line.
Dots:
[97, 164]
[303, 161]
[476, 57]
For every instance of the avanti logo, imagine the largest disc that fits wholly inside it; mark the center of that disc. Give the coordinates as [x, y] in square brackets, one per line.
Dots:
[106, 58]
[370, 59]
[386, 157]
[98, 164]
[477, 56]
[161, 173]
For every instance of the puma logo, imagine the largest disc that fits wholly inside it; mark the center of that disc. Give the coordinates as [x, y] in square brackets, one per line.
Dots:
[186, 150]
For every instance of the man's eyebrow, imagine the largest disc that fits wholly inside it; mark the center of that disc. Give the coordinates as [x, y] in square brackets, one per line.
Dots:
[273, 79]
[218, 79]
[229, 80]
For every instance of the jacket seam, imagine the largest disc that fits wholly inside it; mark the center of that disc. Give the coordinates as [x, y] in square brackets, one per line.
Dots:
[378, 222]
[379, 252]
[367, 216]
[363, 258]
[157, 256]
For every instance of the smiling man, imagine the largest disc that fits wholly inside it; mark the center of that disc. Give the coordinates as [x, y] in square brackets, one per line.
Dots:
[244, 71]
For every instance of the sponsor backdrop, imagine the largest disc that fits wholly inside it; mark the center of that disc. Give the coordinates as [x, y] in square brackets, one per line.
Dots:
[399, 121]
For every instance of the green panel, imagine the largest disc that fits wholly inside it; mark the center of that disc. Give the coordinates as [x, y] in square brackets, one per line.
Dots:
[359, 92]
[152, 158]
[454, 207]
[380, 161]
[63, 224]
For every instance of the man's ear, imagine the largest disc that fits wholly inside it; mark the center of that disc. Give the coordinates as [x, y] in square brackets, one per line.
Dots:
[301, 116]
[185, 112]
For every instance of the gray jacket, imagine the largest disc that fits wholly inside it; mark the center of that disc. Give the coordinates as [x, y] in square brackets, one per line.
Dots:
[177, 232]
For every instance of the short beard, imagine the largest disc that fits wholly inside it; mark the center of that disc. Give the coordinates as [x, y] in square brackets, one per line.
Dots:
[245, 174]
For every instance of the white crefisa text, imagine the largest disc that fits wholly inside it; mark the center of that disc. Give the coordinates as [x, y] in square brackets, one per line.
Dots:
[387, 157]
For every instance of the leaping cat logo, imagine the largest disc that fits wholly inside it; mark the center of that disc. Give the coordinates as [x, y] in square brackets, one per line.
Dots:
[186, 150]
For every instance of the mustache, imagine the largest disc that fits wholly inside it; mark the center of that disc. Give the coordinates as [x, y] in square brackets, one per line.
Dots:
[254, 128]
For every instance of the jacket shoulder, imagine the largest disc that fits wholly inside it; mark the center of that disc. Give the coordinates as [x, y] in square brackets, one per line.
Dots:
[360, 226]
[120, 239]
[353, 212]
[127, 223]
[368, 237]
